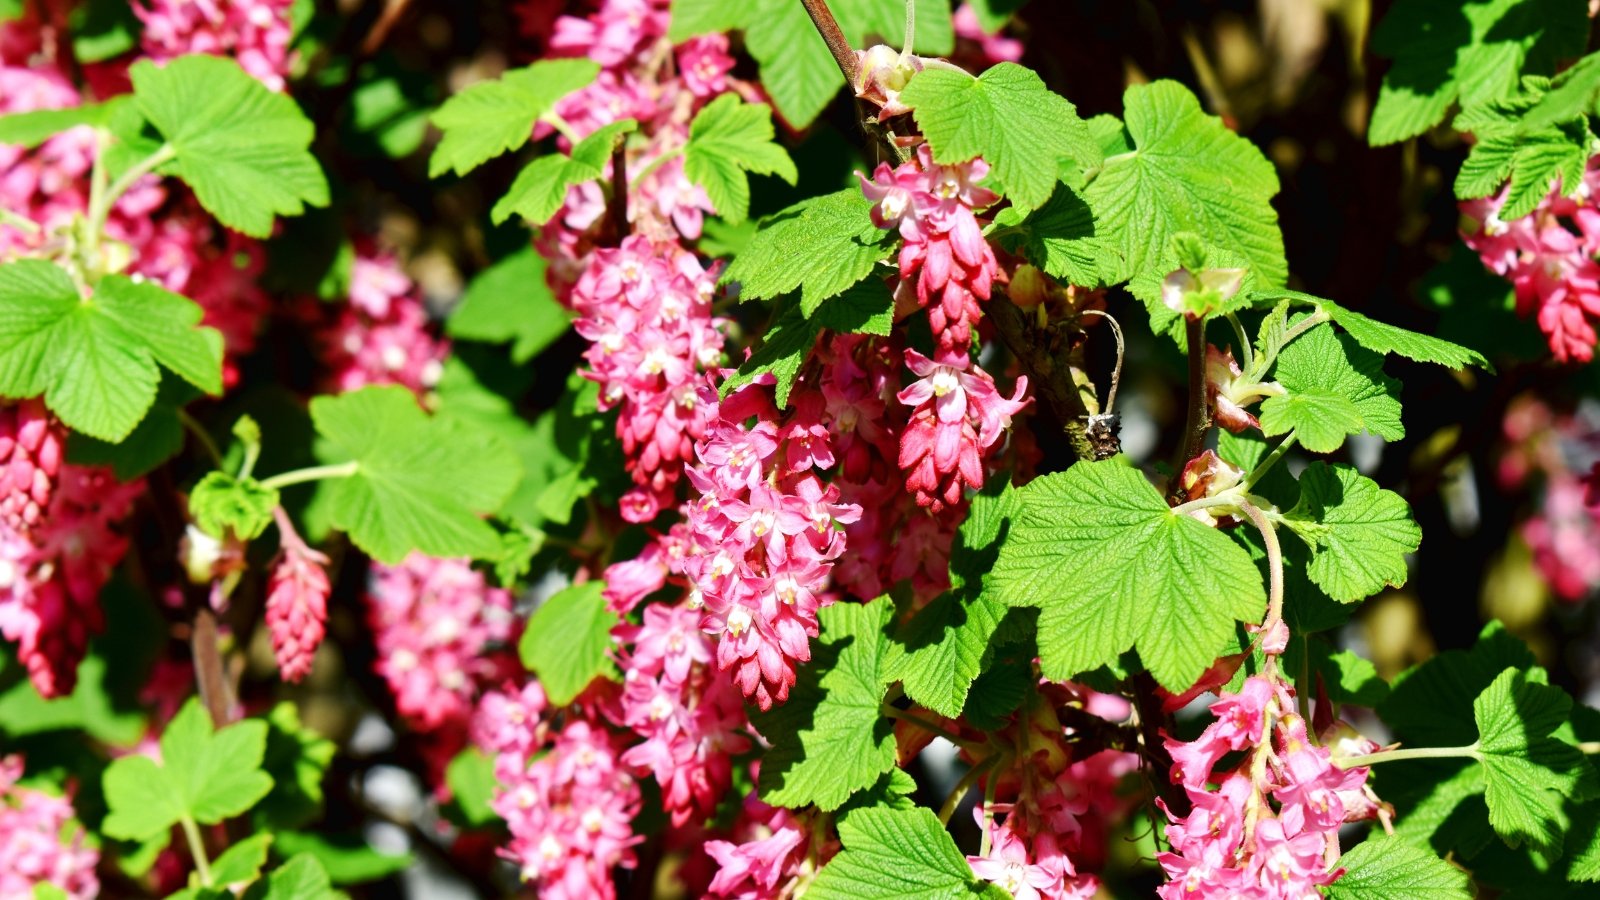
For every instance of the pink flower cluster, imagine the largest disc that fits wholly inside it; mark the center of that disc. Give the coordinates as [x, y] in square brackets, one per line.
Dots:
[58, 545]
[1564, 531]
[773, 847]
[297, 601]
[946, 266]
[41, 841]
[1549, 257]
[255, 32]
[1270, 827]
[646, 308]
[383, 335]
[564, 792]
[762, 536]
[440, 632]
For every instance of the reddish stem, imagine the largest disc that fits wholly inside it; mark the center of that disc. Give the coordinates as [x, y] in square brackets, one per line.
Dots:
[834, 37]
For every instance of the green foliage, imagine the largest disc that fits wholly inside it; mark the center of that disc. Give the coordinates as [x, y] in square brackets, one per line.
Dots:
[831, 738]
[493, 117]
[157, 438]
[866, 307]
[395, 501]
[938, 652]
[542, 185]
[819, 246]
[1528, 773]
[346, 858]
[297, 758]
[1359, 534]
[470, 777]
[566, 640]
[241, 147]
[1387, 868]
[893, 853]
[728, 139]
[301, 878]
[1184, 171]
[1470, 53]
[1335, 388]
[1533, 160]
[1112, 568]
[1383, 338]
[242, 862]
[1062, 238]
[34, 127]
[510, 302]
[204, 776]
[94, 359]
[221, 503]
[1008, 117]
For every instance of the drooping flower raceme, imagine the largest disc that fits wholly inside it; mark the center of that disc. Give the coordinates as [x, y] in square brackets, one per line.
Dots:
[297, 601]
[957, 415]
[41, 841]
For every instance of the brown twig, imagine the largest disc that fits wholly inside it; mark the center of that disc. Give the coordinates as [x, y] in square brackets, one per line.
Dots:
[1153, 720]
[1050, 378]
[833, 36]
[617, 206]
[1198, 421]
[208, 668]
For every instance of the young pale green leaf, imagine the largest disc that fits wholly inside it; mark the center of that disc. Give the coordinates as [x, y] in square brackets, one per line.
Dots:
[1008, 117]
[205, 775]
[728, 139]
[470, 777]
[1061, 238]
[895, 853]
[1573, 93]
[1359, 534]
[301, 878]
[32, 128]
[95, 360]
[1533, 160]
[1184, 171]
[1472, 53]
[1113, 568]
[397, 501]
[566, 641]
[1334, 388]
[541, 187]
[493, 117]
[1529, 773]
[937, 653]
[221, 503]
[243, 148]
[510, 302]
[831, 738]
[1380, 337]
[297, 758]
[820, 246]
[242, 862]
[1387, 868]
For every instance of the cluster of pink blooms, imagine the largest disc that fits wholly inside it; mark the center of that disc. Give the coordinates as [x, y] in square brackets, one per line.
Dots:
[1269, 828]
[383, 335]
[947, 267]
[762, 537]
[1561, 450]
[1549, 257]
[564, 790]
[646, 308]
[58, 545]
[440, 632]
[297, 601]
[41, 842]
[255, 32]
[772, 848]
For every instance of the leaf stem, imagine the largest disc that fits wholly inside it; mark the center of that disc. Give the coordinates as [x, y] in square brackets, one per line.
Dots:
[1303, 326]
[658, 162]
[1226, 498]
[895, 712]
[197, 849]
[19, 222]
[1271, 460]
[201, 436]
[953, 801]
[1269, 536]
[1351, 762]
[312, 473]
[562, 127]
[1246, 352]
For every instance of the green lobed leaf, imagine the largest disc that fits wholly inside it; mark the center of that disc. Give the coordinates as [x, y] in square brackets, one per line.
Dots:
[1380, 337]
[691, 18]
[938, 652]
[301, 878]
[1112, 568]
[541, 187]
[895, 853]
[1528, 773]
[1533, 160]
[157, 438]
[1573, 92]
[34, 127]
[866, 307]
[347, 858]
[493, 117]
[1359, 534]
[1184, 171]
[1387, 868]
[297, 758]
[242, 862]
[221, 503]
[1008, 117]
[510, 302]
[244, 149]
[1432, 704]
[728, 139]
[1061, 238]
[831, 738]
[820, 246]
[396, 501]
[1467, 52]
[1440, 804]
[95, 360]
[567, 640]
[204, 774]
[1334, 388]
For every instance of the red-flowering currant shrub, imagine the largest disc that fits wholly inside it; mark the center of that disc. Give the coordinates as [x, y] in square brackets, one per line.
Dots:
[789, 449]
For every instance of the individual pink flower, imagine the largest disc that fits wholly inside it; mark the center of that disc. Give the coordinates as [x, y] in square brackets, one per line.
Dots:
[958, 414]
[41, 841]
[770, 850]
[297, 601]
